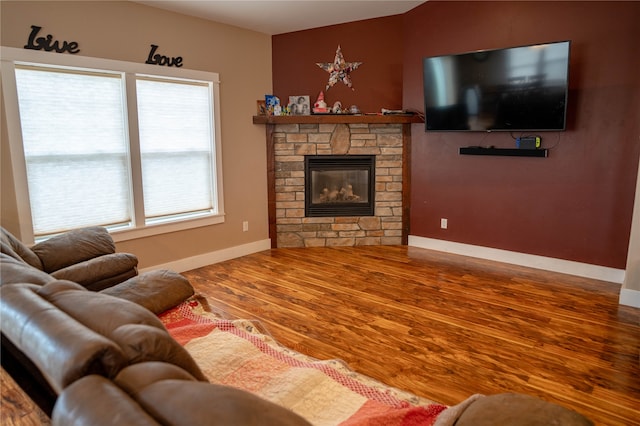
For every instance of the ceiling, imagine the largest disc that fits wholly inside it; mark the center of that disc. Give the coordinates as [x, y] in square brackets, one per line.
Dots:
[284, 16]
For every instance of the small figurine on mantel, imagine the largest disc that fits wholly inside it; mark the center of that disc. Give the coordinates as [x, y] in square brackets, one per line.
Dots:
[320, 106]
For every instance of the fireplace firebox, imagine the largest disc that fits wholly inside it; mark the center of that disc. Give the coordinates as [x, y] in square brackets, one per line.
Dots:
[339, 185]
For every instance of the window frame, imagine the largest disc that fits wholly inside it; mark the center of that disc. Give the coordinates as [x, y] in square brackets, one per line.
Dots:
[129, 71]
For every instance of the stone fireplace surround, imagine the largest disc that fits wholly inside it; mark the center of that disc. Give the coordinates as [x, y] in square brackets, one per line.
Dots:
[291, 138]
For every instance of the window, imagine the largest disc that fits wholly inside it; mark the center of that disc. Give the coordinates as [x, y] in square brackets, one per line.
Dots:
[128, 146]
[175, 147]
[74, 139]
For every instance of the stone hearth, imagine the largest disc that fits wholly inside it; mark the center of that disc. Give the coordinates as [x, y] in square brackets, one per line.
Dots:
[292, 142]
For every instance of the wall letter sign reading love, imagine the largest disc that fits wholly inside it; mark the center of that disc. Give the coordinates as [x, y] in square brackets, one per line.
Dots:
[158, 59]
[48, 43]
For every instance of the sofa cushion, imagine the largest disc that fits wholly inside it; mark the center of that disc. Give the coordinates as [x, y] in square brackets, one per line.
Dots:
[62, 348]
[155, 290]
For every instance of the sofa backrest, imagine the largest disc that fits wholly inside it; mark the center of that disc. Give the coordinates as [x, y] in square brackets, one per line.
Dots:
[14, 271]
[62, 349]
[69, 332]
[136, 330]
[13, 247]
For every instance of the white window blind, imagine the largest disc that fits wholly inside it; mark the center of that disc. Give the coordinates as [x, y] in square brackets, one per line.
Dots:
[75, 146]
[175, 128]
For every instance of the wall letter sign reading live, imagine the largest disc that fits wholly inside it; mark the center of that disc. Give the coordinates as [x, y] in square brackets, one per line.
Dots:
[48, 43]
[158, 59]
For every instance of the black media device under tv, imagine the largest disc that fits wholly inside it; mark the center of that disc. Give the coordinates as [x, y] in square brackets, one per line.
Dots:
[521, 88]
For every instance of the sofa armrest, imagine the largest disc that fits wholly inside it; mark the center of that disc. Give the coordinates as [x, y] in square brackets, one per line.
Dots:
[94, 400]
[173, 397]
[97, 269]
[142, 343]
[199, 403]
[74, 246]
[509, 409]
[157, 291]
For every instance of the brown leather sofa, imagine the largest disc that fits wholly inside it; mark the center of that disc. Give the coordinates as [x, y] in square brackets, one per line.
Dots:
[86, 256]
[98, 359]
[156, 290]
[103, 357]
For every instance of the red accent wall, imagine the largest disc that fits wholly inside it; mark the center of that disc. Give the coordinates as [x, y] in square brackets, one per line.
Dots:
[377, 83]
[577, 203]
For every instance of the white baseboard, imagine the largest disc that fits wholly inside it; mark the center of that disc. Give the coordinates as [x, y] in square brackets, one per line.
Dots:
[201, 260]
[630, 297]
[627, 297]
[530, 260]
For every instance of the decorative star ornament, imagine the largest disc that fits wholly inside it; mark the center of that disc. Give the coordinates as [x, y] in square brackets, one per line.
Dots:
[339, 70]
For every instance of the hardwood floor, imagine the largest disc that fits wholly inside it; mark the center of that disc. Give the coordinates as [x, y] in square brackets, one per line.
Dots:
[15, 407]
[442, 326]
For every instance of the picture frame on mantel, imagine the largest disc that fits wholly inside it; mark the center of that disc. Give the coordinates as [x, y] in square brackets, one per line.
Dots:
[261, 107]
[300, 105]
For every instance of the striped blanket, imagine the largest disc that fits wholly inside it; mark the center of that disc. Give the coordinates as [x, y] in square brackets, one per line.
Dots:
[236, 353]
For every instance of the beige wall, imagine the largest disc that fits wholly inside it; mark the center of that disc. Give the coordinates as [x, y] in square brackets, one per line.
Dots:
[124, 31]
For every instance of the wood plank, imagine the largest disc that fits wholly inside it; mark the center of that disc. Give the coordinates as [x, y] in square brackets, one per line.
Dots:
[16, 408]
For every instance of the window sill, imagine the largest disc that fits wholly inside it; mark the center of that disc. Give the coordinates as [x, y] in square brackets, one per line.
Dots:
[164, 228]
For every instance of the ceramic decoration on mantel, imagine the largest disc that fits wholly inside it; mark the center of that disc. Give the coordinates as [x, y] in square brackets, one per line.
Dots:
[320, 106]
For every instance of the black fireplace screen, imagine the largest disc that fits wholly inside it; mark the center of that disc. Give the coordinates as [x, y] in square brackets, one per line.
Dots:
[339, 185]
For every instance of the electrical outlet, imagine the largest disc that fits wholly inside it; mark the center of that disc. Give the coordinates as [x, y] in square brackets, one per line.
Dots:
[245, 226]
[443, 223]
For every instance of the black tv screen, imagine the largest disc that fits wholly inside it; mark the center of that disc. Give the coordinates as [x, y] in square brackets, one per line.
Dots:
[521, 88]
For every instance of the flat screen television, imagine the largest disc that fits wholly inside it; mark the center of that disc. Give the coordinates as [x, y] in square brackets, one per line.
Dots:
[522, 88]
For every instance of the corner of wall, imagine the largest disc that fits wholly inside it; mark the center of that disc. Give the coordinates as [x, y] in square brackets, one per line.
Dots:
[632, 277]
[630, 298]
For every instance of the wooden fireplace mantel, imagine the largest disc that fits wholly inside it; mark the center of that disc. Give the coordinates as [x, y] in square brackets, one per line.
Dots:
[270, 122]
[338, 118]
